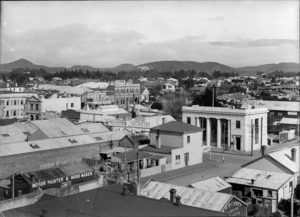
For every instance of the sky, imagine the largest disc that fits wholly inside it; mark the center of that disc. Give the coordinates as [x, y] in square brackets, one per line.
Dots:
[109, 33]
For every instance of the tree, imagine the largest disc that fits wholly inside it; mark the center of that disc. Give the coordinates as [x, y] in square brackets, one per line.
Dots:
[157, 105]
[216, 74]
[205, 99]
[188, 83]
[237, 89]
[154, 91]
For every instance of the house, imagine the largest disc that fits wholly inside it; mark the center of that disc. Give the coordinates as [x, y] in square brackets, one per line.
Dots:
[108, 110]
[181, 143]
[260, 187]
[33, 108]
[59, 104]
[289, 124]
[215, 184]
[115, 201]
[126, 93]
[215, 201]
[197, 90]
[236, 129]
[168, 87]
[144, 95]
[282, 161]
[277, 109]
[12, 104]
[14, 87]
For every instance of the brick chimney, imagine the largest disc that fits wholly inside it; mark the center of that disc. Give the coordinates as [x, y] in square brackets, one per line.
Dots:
[293, 154]
[177, 200]
[173, 195]
[158, 139]
[252, 181]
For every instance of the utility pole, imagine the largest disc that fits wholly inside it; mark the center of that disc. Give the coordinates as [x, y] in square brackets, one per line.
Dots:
[292, 201]
[13, 181]
[213, 95]
[252, 138]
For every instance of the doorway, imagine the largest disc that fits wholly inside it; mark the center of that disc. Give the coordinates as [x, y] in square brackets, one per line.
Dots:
[238, 143]
[186, 158]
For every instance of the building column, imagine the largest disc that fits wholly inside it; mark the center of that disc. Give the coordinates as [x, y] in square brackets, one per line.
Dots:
[219, 133]
[228, 133]
[208, 133]
[196, 121]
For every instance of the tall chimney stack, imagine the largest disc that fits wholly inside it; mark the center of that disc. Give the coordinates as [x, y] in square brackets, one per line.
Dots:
[263, 150]
[172, 195]
[293, 154]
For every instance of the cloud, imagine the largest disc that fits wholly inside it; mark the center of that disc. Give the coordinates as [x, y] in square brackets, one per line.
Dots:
[78, 44]
[216, 19]
[256, 43]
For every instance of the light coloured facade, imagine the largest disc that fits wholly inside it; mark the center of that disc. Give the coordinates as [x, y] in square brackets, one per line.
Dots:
[12, 105]
[236, 129]
[59, 104]
[183, 142]
[126, 93]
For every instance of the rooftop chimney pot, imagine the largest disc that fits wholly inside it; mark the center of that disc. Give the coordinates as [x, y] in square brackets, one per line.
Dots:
[172, 195]
[252, 181]
[177, 198]
[263, 150]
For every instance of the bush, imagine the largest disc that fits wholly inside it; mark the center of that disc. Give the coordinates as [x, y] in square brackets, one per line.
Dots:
[277, 214]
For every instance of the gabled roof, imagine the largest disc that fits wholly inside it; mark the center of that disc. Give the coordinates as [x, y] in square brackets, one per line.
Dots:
[213, 184]
[177, 127]
[283, 158]
[189, 196]
[262, 179]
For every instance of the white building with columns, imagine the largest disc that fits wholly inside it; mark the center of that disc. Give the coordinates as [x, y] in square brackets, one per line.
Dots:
[235, 129]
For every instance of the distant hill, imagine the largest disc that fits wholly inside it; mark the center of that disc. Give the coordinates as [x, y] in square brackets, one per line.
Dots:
[127, 67]
[209, 67]
[23, 63]
[267, 68]
[83, 68]
[162, 66]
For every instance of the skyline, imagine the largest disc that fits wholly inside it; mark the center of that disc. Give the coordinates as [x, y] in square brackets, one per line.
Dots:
[100, 34]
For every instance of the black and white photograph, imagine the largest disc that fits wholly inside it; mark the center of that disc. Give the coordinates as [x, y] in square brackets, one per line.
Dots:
[150, 108]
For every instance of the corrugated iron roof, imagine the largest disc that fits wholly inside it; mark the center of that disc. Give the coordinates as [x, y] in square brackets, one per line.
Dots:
[293, 121]
[177, 127]
[274, 105]
[62, 142]
[284, 158]
[263, 179]
[213, 184]
[189, 196]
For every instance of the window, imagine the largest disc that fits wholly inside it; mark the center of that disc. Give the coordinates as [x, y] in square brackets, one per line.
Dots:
[5, 135]
[21, 102]
[36, 107]
[7, 113]
[72, 105]
[15, 102]
[271, 113]
[188, 120]
[15, 113]
[291, 186]
[177, 159]
[188, 139]
[85, 130]
[269, 194]
[238, 124]
[31, 107]
[7, 102]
